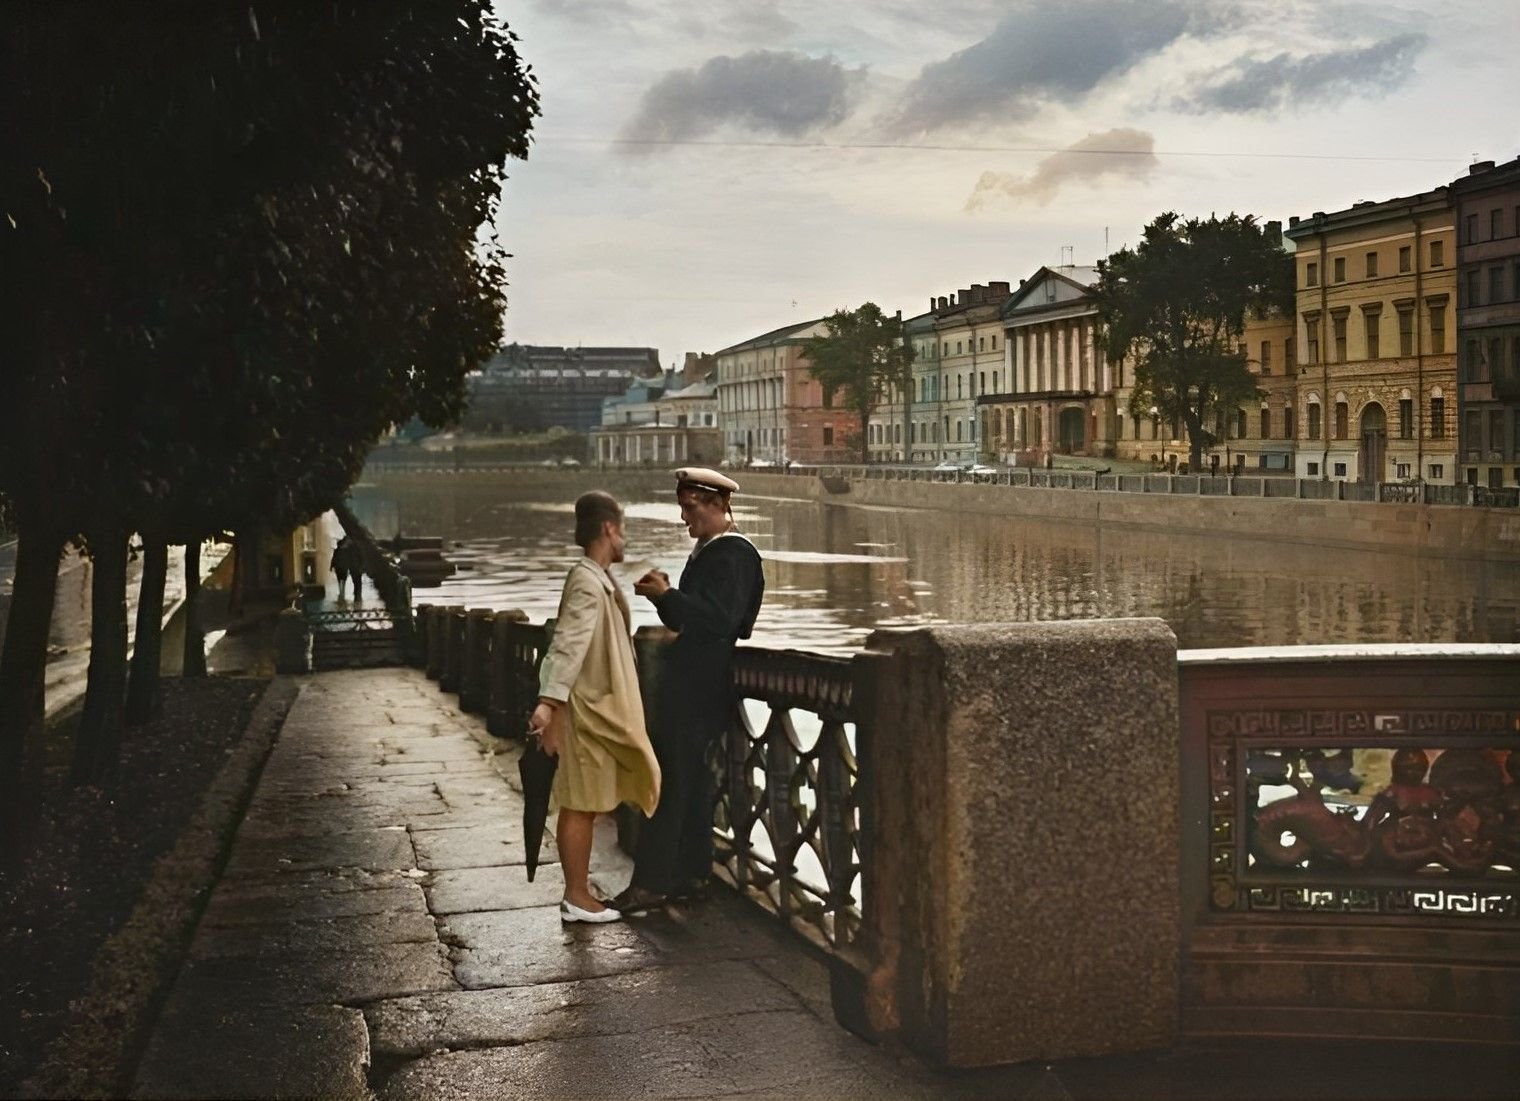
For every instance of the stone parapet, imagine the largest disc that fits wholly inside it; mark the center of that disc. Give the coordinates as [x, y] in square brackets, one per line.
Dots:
[1021, 876]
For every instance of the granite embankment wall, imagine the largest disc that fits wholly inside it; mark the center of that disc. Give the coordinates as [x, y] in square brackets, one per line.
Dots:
[1446, 530]
[1488, 533]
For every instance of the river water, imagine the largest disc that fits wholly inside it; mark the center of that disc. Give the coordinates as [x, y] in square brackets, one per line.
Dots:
[835, 572]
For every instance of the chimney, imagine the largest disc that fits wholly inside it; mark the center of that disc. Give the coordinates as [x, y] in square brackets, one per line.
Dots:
[997, 290]
[931, 304]
[978, 293]
[1292, 221]
[1022, 282]
[944, 303]
[1273, 232]
[963, 297]
[1480, 166]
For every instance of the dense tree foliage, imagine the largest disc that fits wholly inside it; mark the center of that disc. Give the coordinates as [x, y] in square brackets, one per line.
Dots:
[1177, 305]
[862, 356]
[238, 242]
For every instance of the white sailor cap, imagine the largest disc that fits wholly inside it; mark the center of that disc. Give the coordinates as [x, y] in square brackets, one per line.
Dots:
[702, 477]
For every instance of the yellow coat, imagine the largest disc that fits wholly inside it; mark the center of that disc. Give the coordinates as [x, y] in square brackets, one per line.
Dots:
[606, 758]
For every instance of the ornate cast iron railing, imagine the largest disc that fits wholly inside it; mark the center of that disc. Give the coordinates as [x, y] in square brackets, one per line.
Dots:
[788, 814]
[357, 619]
[1375, 787]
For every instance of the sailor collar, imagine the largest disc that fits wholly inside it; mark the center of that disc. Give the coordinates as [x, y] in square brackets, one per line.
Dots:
[700, 547]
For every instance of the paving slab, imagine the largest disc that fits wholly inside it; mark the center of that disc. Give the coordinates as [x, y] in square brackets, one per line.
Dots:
[467, 890]
[226, 1052]
[637, 1002]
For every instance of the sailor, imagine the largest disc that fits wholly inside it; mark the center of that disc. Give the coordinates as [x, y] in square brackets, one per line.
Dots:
[712, 608]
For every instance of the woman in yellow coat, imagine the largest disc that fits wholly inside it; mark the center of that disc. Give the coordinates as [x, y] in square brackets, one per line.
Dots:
[590, 714]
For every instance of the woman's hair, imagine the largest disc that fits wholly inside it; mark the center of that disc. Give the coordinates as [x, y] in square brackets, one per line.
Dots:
[592, 510]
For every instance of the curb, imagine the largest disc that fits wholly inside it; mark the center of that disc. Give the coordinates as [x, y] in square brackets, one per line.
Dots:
[96, 1055]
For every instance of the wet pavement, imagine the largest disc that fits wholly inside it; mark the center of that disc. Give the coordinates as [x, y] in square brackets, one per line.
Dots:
[374, 934]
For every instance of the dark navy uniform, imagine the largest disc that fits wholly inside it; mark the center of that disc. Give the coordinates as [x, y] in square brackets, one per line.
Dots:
[713, 606]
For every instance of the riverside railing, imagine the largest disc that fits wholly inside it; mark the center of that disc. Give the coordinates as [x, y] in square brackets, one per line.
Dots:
[1347, 819]
[1201, 485]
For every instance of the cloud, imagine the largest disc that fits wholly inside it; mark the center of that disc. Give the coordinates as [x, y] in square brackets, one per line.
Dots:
[1250, 84]
[1043, 53]
[784, 93]
[1123, 153]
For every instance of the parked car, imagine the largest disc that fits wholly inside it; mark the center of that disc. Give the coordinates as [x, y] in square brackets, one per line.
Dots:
[947, 467]
[982, 468]
[569, 462]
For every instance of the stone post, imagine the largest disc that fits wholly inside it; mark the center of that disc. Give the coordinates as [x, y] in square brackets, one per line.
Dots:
[649, 645]
[292, 642]
[433, 637]
[501, 718]
[475, 678]
[1021, 835]
[453, 648]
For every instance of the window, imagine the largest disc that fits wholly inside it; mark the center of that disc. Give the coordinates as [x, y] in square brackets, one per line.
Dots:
[1401, 470]
[1471, 230]
[1496, 430]
[1472, 432]
[1340, 269]
[1437, 253]
[1340, 470]
[1495, 224]
[1405, 258]
[1472, 360]
[1371, 265]
[1338, 327]
[1311, 330]
[1342, 419]
[1266, 424]
[1438, 418]
[1288, 356]
[1314, 420]
[1290, 426]
[957, 347]
[1438, 329]
[828, 435]
[1495, 284]
[1311, 275]
[981, 382]
[1240, 424]
[1370, 319]
[1406, 418]
[1313, 470]
[1470, 295]
[981, 343]
[994, 343]
[1406, 331]
[1266, 357]
[959, 380]
[828, 397]
[1437, 472]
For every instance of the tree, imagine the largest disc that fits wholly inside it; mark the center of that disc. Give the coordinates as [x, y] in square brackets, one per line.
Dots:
[862, 356]
[1177, 305]
[240, 242]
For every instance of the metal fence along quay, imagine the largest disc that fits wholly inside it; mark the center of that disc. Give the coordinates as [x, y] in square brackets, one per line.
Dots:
[1348, 818]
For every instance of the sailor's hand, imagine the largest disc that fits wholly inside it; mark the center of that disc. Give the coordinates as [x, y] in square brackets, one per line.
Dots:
[653, 584]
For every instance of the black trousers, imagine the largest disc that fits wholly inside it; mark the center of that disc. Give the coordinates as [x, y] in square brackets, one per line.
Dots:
[676, 846]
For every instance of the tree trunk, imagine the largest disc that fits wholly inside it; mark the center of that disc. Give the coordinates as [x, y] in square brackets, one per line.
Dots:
[195, 636]
[100, 726]
[143, 697]
[23, 671]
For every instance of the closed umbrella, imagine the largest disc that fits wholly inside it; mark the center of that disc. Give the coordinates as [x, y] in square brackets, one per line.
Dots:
[536, 768]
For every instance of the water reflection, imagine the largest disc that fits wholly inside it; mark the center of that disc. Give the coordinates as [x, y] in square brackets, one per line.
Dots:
[835, 572]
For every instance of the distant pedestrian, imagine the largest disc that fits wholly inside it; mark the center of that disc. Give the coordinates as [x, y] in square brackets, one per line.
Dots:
[356, 569]
[713, 607]
[590, 714]
[340, 559]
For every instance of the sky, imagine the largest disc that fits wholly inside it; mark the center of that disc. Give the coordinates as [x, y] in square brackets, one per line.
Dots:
[708, 170]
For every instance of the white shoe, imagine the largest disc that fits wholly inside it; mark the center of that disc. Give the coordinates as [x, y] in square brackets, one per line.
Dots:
[570, 912]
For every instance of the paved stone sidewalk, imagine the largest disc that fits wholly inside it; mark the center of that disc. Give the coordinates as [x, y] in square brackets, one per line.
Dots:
[374, 930]
[374, 933]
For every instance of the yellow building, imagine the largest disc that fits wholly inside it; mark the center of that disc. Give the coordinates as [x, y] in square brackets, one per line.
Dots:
[1376, 335]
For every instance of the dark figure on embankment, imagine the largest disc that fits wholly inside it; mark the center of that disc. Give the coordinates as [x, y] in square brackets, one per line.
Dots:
[712, 608]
